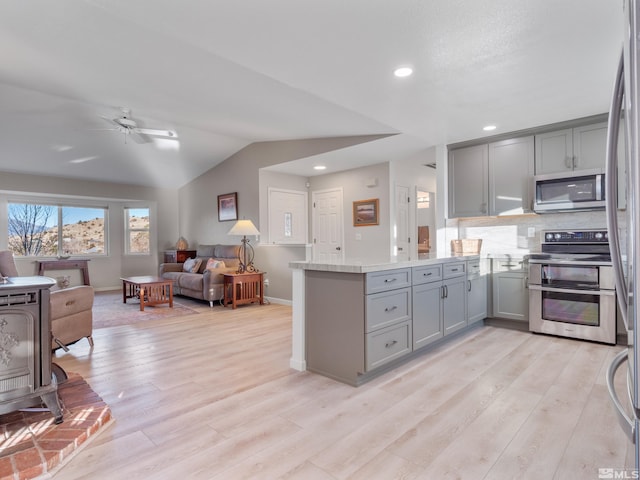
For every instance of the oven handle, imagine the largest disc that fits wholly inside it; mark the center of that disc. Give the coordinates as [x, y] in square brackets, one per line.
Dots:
[570, 290]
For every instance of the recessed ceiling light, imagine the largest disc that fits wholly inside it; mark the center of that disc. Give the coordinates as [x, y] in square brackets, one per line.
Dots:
[403, 71]
[320, 167]
[489, 128]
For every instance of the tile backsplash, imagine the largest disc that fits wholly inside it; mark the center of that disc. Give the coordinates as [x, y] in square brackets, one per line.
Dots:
[510, 235]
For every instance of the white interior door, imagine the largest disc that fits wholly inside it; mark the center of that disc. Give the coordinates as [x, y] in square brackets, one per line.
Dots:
[327, 226]
[402, 223]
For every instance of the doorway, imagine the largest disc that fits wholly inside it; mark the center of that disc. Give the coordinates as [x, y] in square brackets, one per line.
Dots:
[327, 226]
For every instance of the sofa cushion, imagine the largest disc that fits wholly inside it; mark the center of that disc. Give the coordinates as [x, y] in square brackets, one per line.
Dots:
[191, 265]
[226, 251]
[172, 276]
[205, 251]
[191, 281]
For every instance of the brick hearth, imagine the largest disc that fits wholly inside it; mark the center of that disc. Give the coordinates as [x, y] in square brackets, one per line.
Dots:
[31, 444]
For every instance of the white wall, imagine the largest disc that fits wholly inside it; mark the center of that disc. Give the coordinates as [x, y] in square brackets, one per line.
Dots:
[374, 243]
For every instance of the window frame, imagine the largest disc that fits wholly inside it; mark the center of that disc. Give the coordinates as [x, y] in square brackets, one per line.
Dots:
[59, 206]
[128, 230]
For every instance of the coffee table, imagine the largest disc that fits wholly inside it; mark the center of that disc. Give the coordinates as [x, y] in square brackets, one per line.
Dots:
[150, 290]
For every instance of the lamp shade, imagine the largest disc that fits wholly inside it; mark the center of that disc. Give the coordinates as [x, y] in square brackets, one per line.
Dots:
[244, 227]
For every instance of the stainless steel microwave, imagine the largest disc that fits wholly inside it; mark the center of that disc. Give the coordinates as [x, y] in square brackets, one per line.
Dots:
[567, 191]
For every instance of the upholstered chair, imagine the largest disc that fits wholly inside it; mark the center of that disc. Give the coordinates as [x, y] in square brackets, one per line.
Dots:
[70, 309]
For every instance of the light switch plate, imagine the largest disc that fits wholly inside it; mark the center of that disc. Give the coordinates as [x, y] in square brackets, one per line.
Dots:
[531, 232]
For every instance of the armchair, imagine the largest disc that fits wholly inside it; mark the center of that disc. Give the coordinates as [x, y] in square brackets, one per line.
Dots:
[70, 309]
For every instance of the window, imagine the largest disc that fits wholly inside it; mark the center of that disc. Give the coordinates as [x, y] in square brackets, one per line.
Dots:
[52, 230]
[137, 231]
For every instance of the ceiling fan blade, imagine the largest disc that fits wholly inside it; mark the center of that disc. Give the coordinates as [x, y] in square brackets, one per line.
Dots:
[138, 137]
[153, 131]
[111, 121]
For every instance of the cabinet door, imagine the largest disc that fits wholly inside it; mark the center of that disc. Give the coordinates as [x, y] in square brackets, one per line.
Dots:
[589, 146]
[427, 314]
[454, 305]
[468, 181]
[476, 299]
[554, 152]
[510, 296]
[511, 164]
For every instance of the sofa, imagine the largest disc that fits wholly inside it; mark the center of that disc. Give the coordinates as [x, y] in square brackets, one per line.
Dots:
[70, 309]
[203, 283]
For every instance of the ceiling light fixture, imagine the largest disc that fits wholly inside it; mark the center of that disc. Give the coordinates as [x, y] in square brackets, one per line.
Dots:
[402, 72]
[320, 167]
[489, 128]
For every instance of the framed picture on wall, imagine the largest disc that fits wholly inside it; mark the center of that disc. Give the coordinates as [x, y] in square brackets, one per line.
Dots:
[365, 212]
[228, 207]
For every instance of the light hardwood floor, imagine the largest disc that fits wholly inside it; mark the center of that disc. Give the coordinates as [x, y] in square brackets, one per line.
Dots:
[211, 396]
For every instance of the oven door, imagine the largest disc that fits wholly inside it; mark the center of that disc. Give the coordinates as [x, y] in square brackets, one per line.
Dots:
[575, 313]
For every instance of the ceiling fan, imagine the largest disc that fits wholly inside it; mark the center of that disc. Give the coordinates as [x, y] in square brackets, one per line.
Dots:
[129, 128]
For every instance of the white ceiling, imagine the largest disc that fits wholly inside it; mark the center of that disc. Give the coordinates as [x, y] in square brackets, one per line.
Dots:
[224, 74]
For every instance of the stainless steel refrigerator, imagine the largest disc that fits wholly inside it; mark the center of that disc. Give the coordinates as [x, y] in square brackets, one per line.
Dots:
[624, 240]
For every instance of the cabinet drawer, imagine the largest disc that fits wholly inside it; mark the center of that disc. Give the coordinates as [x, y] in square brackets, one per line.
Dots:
[387, 344]
[388, 280]
[473, 268]
[426, 274]
[386, 308]
[454, 269]
[515, 265]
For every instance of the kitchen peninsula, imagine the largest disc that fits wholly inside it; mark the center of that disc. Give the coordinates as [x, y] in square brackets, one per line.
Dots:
[354, 321]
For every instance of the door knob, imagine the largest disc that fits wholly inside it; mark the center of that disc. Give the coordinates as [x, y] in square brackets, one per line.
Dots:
[338, 248]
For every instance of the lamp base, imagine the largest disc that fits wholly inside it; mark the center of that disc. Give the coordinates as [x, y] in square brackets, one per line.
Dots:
[245, 257]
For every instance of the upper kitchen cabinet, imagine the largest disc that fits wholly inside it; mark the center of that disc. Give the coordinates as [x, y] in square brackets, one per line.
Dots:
[511, 164]
[579, 148]
[468, 181]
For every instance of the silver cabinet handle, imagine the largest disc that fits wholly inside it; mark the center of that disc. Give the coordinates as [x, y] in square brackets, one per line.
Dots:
[428, 274]
[446, 291]
[390, 344]
[389, 280]
[391, 309]
[454, 269]
[568, 162]
[469, 283]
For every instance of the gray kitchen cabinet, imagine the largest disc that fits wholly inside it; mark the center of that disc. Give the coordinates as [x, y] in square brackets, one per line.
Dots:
[468, 181]
[477, 291]
[578, 148]
[454, 302]
[427, 305]
[427, 317]
[510, 292]
[511, 166]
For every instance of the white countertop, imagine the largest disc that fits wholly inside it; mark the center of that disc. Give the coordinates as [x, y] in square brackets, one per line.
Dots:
[372, 266]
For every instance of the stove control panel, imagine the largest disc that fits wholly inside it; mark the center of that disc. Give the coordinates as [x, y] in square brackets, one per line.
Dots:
[576, 236]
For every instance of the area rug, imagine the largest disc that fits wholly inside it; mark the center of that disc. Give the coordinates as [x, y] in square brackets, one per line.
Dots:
[109, 311]
[33, 445]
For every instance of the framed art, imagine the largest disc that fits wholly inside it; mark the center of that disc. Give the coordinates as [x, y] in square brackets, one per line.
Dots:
[365, 212]
[228, 207]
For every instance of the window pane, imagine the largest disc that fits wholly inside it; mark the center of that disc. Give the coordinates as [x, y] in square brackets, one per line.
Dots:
[138, 218]
[32, 229]
[139, 242]
[83, 230]
[137, 230]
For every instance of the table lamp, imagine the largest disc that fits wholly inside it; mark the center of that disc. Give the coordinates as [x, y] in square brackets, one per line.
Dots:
[245, 254]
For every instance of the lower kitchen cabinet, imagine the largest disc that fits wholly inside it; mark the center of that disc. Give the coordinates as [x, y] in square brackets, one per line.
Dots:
[427, 314]
[477, 292]
[454, 304]
[510, 292]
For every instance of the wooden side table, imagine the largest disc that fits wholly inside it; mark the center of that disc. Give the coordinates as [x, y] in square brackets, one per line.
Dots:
[241, 288]
[178, 256]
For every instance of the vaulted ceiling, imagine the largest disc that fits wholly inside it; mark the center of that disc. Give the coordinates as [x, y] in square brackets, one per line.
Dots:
[224, 74]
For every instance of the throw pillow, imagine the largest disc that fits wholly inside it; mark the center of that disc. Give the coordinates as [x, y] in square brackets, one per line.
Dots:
[191, 265]
[214, 263]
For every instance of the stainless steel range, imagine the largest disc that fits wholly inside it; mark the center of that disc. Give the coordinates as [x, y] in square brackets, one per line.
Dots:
[571, 286]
